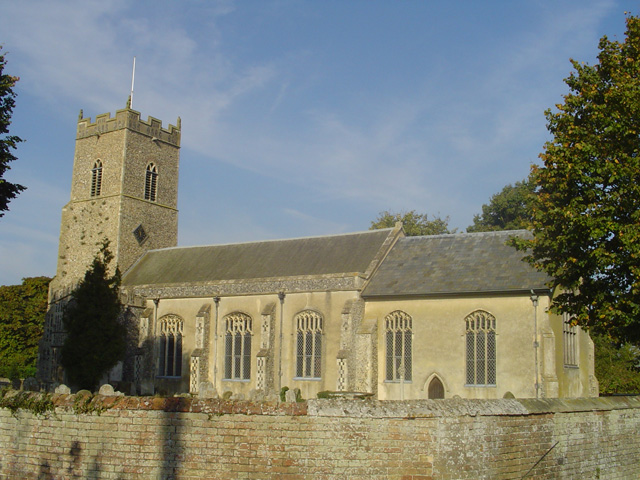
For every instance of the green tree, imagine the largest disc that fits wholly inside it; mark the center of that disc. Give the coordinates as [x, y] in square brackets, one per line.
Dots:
[617, 366]
[96, 339]
[22, 312]
[508, 210]
[414, 223]
[586, 211]
[8, 190]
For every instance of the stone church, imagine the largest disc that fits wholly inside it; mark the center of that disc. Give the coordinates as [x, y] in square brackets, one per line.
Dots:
[370, 312]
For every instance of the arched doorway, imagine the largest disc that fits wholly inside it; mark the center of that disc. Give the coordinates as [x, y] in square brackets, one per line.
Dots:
[436, 388]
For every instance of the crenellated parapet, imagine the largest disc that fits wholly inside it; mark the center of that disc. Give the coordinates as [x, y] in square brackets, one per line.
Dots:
[127, 118]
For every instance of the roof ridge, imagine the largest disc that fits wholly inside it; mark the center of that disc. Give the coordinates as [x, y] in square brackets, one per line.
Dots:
[273, 240]
[471, 234]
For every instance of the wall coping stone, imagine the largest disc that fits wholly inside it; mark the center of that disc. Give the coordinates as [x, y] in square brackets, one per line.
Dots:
[560, 405]
[410, 409]
[407, 409]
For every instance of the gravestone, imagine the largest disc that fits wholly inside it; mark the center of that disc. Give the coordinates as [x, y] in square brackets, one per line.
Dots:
[30, 384]
[146, 387]
[256, 395]
[206, 390]
[62, 389]
[106, 390]
[290, 396]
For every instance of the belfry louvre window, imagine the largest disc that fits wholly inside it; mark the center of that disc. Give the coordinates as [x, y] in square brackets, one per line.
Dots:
[308, 344]
[570, 341]
[151, 183]
[237, 347]
[481, 348]
[170, 346]
[398, 332]
[96, 179]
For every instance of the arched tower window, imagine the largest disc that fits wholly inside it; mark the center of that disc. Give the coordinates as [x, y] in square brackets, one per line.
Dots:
[96, 179]
[237, 346]
[170, 346]
[481, 348]
[308, 344]
[398, 332]
[151, 183]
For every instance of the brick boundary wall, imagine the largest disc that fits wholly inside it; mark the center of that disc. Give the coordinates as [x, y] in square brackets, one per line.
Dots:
[189, 438]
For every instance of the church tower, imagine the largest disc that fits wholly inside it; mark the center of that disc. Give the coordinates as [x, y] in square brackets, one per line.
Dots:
[124, 188]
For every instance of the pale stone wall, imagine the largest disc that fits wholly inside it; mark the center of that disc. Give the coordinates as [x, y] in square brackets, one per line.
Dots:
[261, 308]
[354, 346]
[439, 348]
[190, 438]
[574, 381]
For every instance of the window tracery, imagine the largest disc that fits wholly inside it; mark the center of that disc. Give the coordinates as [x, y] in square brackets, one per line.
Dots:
[96, 179]
[237, 352]
[170, 346]
[570, 341]
[399, 334]
[151, 183]
[309, 326]
[481, 348]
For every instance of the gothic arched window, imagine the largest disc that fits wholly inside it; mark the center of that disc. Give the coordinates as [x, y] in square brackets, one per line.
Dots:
[308, 344]
[151, 183]
[96, 179]
[237, 346]
[570, 344]
[170, 346]
[398, 332]
[481, 348]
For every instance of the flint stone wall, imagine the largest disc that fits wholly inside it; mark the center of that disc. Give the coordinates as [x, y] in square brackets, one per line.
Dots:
[191, 438]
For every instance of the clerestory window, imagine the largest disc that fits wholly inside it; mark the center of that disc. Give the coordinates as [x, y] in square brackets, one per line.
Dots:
[481, 348]
[151, 183]
[309, 327]
[170, 346]
[237, 346]
[399, 332]
[96, 179]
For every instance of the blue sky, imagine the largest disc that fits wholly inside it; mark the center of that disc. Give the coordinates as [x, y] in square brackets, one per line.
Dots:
[298, 117]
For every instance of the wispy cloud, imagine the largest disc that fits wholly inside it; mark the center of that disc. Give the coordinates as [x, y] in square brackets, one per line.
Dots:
[371, 159]
[314, 224]
[469, 120]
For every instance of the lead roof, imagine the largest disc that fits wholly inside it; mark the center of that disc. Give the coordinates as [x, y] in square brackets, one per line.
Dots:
[328, 255]
[455, 264]
[472, 263]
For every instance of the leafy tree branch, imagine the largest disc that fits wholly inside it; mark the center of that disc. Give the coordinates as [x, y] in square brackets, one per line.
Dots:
[586, 211]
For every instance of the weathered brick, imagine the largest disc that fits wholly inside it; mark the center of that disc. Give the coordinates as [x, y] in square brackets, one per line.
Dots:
[158, 438]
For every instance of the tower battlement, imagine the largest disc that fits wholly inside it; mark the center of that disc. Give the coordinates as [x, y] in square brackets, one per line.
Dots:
[128, 118]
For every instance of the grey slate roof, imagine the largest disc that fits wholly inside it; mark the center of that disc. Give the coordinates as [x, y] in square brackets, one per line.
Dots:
[454, 264]
[335, 254]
